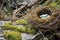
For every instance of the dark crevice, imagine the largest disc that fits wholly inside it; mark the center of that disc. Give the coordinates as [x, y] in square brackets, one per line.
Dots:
[43, 1]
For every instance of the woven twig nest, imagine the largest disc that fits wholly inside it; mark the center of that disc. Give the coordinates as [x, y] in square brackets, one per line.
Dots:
[49, 22]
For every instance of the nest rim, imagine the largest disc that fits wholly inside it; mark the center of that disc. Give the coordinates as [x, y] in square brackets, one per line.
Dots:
[47, 23]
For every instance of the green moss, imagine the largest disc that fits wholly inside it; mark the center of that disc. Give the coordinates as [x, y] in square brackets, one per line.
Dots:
[54, 4]
[23, 29]
[58, 0]
[13, 35]
[30, 26]
[10, 23]
[30, 31]
[21, 21]
[9, 27]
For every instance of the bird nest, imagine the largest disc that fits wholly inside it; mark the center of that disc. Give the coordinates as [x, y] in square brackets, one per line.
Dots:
[45, 18]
